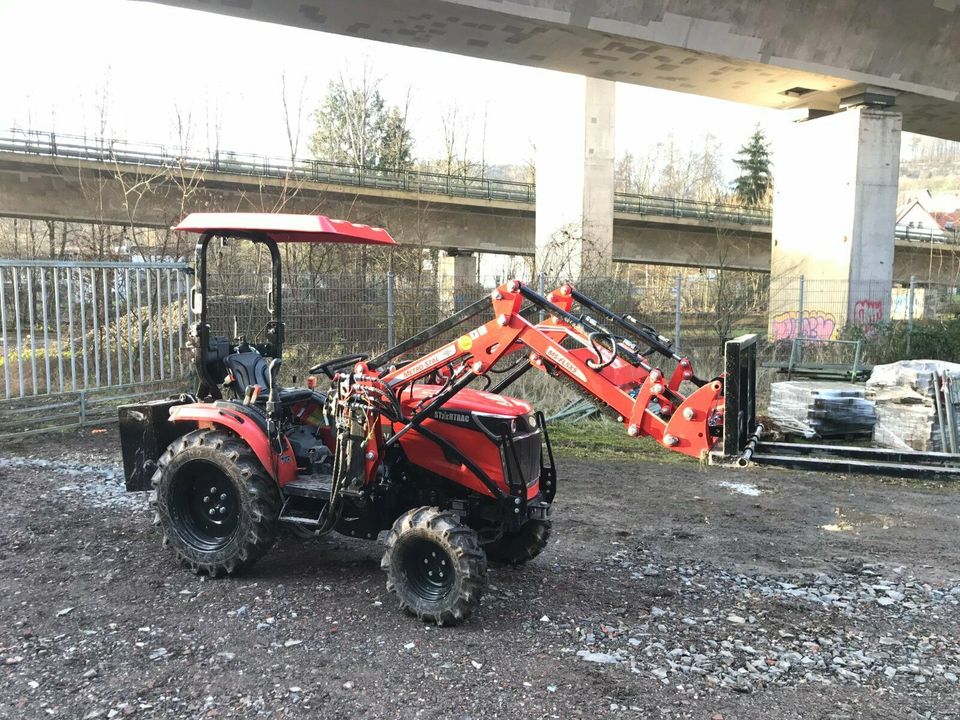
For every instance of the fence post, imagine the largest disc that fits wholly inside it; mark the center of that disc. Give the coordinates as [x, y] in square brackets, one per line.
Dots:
[676, 320]
[541, 288]
[910, 297]
[390, 309]
[796, 350]
[800, 309]
[3, 337]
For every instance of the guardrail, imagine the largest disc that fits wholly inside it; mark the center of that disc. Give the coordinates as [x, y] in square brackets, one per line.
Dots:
[927, 234]
[691, 209]
[123, 152]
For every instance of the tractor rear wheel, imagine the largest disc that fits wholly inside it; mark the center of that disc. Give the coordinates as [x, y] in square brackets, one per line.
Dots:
[214, 503]
[435, 566]
[516, 548]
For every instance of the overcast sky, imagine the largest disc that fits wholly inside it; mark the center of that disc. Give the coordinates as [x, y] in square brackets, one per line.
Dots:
[59, 58]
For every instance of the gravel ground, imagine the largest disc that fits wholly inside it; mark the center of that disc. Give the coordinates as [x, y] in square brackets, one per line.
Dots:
[670, 591]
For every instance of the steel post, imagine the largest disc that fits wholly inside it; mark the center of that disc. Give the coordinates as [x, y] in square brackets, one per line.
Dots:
[676, 319]
[390, 309]
[910, 299]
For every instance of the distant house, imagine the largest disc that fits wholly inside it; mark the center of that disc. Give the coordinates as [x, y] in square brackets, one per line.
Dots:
[915, 221]
[949, 222]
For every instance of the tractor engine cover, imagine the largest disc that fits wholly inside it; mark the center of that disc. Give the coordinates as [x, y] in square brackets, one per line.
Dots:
[145, 432]
[474, 422]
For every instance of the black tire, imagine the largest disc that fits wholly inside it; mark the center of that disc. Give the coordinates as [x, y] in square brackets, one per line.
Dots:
[214, 503]
[523, 545]
[421, 546]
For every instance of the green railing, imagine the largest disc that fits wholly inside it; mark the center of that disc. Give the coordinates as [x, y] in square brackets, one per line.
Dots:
[416, 181]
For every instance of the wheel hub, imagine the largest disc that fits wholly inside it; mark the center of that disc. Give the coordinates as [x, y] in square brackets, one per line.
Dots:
[213, 505]
[429, 570]
[208, 504]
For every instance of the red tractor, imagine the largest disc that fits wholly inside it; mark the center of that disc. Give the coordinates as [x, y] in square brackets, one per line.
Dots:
[456, 474]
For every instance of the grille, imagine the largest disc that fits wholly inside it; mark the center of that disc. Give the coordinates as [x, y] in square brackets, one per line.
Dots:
[525, 460]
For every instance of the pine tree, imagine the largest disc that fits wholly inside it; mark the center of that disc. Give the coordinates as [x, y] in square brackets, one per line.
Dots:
[753, 185]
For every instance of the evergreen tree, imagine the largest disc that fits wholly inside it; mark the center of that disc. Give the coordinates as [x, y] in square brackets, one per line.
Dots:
[753, 185]
[395, 140]
[355, 125]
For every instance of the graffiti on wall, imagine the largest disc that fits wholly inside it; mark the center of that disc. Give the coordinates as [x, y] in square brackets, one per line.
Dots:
[817, 324]
[900, 303]
[867, 312]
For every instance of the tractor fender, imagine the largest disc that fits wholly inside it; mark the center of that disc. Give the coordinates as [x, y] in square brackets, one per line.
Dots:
[206, 415]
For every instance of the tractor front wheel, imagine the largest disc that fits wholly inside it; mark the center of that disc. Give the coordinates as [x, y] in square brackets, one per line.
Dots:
[214, 503]
[516, 548]
[435, 566]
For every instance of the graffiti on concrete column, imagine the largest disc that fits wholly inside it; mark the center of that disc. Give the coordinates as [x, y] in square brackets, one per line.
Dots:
[867, 312]
[817, 325]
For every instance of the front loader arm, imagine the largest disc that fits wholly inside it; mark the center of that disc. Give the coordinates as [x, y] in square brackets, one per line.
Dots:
[648, 406]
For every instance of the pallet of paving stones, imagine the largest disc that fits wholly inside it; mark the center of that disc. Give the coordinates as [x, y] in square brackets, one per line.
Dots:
[821, 409]
[917, 404]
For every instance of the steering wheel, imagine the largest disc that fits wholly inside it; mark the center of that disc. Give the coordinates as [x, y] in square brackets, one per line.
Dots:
[330, 367]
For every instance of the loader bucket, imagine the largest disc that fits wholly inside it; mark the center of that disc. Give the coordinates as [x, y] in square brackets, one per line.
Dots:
[740, 395]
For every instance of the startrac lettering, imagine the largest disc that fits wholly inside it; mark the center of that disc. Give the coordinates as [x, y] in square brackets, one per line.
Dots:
[457, 418]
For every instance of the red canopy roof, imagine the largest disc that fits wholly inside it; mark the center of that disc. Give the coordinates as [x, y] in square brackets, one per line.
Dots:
[282, 227]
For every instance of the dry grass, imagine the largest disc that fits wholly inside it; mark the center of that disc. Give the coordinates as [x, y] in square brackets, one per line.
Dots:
[605, 439]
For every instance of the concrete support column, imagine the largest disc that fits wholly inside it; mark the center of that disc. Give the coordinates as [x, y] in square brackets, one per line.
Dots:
[834, 215]
[457, 276]
[575, 181]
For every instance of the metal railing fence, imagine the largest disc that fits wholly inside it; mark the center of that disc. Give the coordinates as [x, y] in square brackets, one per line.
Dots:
[35, 142]
[71, 329]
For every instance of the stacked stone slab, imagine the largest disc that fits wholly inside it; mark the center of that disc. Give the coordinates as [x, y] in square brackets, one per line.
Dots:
[903, 393]
[821, 409]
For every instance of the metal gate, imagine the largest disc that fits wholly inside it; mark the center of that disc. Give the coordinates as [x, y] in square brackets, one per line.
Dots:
[78, 337]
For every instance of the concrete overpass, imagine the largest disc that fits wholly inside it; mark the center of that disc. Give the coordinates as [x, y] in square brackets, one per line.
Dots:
[57, 177]
[49, 177]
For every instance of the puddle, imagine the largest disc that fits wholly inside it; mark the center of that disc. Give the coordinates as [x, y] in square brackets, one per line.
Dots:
[851, 520]
[742, 488]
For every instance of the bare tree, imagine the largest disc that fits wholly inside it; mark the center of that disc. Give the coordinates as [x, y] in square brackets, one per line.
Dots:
[293, 122]
[456, 142]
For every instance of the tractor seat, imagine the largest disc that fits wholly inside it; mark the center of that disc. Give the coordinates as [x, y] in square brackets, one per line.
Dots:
[251, 368]
[248, 369]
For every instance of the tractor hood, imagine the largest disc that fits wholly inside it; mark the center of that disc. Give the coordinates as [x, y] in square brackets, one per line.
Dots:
[467, 401]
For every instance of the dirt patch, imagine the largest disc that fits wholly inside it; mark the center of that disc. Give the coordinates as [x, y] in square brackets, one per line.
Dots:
[668, 592]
